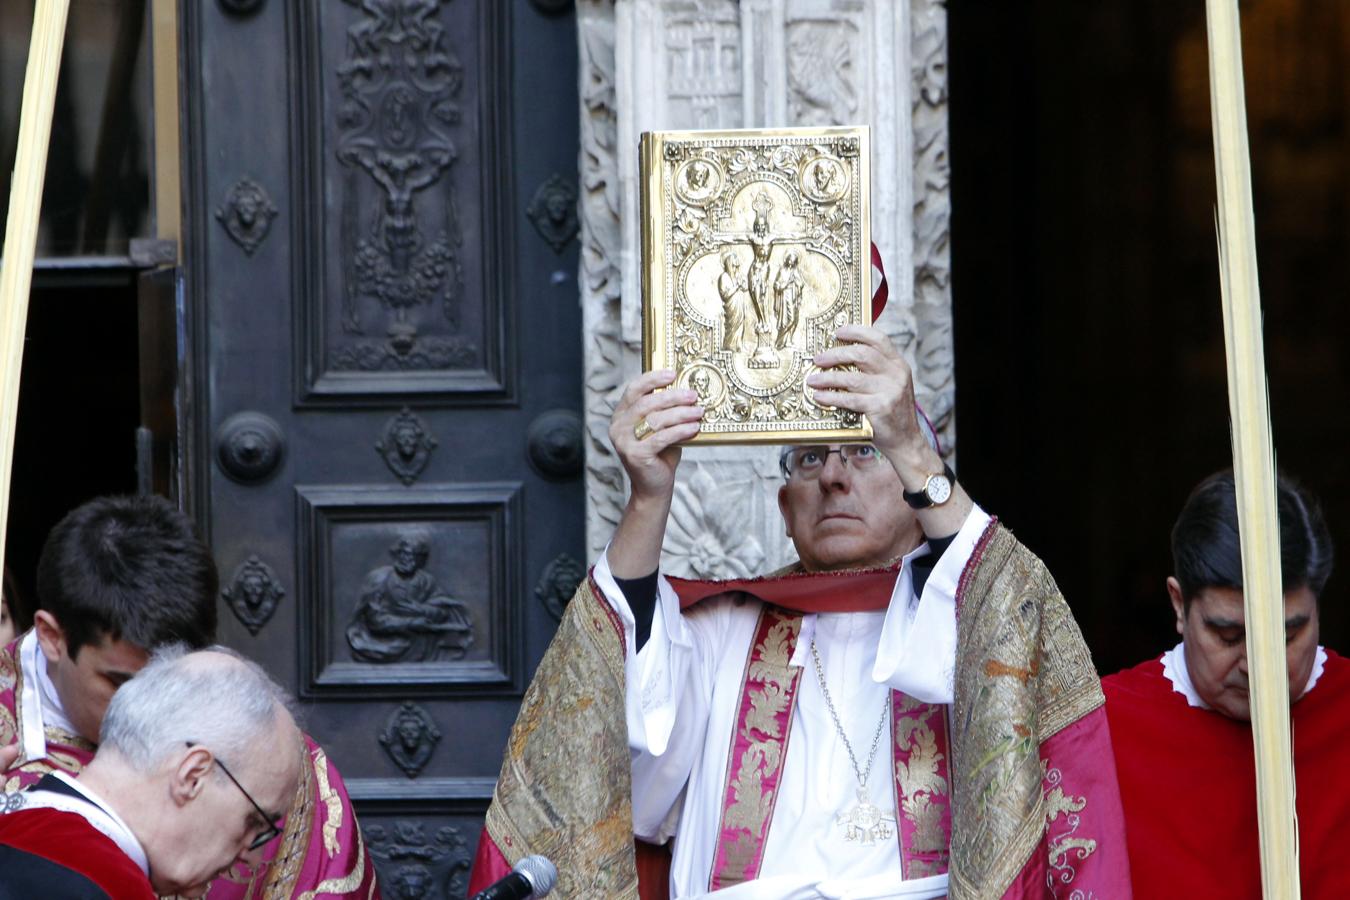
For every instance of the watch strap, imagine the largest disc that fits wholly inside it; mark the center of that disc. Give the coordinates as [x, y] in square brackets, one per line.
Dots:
[920, 499]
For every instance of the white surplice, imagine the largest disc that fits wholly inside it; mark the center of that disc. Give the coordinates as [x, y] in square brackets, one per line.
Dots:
[684, 690]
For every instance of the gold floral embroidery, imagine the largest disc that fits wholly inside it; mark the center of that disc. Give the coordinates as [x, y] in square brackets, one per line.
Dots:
[9, 669]
[1064, 848]
[284, 869]
[919, 777]
[332, 804]
[764, 732]
[751, 807]
[1023, 674]
[568, 765]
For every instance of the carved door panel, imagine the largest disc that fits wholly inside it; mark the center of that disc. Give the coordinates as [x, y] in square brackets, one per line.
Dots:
[384, 338]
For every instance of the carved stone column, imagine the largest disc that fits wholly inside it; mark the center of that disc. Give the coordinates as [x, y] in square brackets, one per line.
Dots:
[666, 64]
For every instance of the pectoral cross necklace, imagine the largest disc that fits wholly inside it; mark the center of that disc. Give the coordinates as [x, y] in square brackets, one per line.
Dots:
[864, 823]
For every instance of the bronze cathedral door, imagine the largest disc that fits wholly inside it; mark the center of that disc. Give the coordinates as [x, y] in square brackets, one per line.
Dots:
[383, 338]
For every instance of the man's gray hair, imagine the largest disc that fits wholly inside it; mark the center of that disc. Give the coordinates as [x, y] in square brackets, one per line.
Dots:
[181, 697]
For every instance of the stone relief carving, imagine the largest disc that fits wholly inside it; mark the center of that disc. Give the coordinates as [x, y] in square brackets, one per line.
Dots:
[776, 62]
[553, 212]
[706, 535]
[406, 445]
[253, 594]
[703, 54]
[935, 357]
[247, 213]
[412, 865]
[822, 62]
[608, 363]
[410, 737]
[403, 615]
[400, 85]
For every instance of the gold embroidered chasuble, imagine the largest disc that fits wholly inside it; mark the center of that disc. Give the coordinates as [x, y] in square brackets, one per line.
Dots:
[1029, 818]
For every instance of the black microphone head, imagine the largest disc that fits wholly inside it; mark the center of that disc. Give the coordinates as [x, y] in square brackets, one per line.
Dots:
[539, 872]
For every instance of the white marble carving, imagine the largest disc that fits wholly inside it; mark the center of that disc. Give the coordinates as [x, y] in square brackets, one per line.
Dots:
[658, 64]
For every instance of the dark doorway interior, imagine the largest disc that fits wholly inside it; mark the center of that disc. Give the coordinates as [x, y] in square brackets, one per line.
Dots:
[1089, 339]
[78, 406]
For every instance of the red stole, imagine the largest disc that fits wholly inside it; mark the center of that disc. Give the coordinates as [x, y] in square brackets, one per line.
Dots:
[72, 843]
[1188, 784]
[857, 590]
[920, 781]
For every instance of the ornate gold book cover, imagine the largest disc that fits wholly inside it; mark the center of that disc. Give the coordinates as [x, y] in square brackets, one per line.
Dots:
[755, 250]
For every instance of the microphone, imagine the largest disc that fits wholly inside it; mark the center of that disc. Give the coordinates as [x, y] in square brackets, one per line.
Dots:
[533, 876]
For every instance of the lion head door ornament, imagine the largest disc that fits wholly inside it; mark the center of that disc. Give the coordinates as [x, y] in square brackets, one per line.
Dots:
[410, 737]
[754, 254]
[253, 594]
[406, 445]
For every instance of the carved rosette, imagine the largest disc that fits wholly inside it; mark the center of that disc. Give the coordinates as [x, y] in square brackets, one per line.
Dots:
[554, 444]
[400, 87]
[253, 594]
[410, 737]
[250, 447]
[247, 213]
[406, 445]
[874, 62]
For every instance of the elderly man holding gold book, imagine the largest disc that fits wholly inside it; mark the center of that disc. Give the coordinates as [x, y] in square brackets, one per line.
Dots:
[909, 711]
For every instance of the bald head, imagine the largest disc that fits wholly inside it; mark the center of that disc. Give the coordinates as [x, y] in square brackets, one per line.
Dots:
[200, 755]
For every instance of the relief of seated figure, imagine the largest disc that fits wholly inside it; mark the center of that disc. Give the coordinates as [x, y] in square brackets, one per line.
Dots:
[404, 616]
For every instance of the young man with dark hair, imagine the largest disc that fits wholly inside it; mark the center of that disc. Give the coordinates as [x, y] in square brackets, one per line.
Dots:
[1180, 723]
[119, 578]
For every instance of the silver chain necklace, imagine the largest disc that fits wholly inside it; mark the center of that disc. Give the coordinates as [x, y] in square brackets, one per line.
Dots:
[864, 823]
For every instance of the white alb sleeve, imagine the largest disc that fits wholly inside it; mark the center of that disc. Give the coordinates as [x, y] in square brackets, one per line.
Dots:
[668, 683]
[917, 651]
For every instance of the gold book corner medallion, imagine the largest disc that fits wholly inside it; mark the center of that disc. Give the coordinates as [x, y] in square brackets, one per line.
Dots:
[755, 251]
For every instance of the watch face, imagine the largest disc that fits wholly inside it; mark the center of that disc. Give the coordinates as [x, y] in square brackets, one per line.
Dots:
[938, 489]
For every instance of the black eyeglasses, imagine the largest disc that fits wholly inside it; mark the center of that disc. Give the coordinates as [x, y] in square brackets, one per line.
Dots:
[807, 462]
[272, 829]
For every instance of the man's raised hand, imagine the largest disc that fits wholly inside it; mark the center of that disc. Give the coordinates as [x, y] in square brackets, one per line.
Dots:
[882, 388]
[647, 425]
[646, 429]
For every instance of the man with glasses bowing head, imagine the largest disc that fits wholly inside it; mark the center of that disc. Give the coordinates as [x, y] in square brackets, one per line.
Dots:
[908, 711]
[158, 811]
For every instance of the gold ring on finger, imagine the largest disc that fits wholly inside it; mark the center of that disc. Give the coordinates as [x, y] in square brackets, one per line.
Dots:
[643, 429]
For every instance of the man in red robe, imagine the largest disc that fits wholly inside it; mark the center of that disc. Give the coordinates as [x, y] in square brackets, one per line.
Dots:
[910, 607]
[1180, 723]
[158, 810]
[118, 578]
